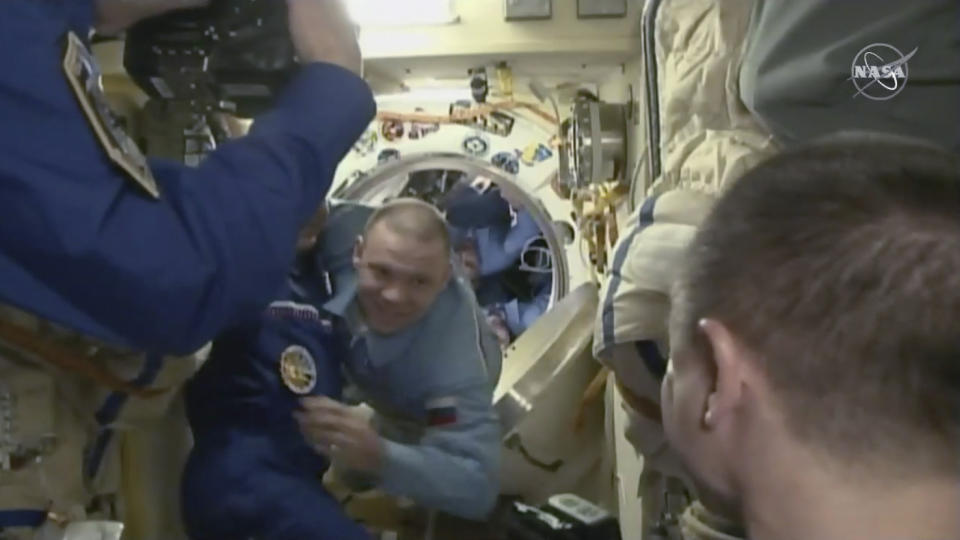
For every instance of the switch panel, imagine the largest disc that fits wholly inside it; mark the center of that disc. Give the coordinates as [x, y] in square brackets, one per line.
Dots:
[519, 10]
[590, 9]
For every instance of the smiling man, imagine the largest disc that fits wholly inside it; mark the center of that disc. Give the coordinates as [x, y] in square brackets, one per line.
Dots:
[419, 354]
[402, 265]
[814, 384]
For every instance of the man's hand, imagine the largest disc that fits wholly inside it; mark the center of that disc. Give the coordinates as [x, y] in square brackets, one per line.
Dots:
[336, 431]
[322, 32]
[499, 329]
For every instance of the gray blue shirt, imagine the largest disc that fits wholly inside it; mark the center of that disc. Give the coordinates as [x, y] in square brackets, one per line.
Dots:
[438, 374]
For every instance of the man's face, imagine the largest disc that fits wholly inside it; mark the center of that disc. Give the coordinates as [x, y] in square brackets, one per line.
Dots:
[398, 277]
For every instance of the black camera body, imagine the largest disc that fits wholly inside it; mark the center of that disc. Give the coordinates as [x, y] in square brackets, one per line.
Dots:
[233, 56]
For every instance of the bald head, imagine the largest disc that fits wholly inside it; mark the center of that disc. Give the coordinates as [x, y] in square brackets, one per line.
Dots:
[403, 264]
[413, 219]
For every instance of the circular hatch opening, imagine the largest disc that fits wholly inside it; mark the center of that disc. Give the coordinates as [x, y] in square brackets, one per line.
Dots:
[504, 238]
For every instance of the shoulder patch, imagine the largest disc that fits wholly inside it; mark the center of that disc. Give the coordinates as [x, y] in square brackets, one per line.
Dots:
[85, 79]
[298, 370]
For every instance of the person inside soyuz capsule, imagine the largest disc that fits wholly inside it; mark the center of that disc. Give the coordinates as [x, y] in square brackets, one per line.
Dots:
[503, 253]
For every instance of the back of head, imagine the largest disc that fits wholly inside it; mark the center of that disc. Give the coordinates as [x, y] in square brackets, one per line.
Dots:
[838, 264]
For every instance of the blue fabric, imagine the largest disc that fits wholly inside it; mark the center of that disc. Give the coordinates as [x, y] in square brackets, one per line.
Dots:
[490, 291]
[499, 247]
[253, 498]
[110, 411]
[520, 314]
[81, 245]
[467, 208]
[619, 258]
[10, 519]
[652, 358]
[251, 473]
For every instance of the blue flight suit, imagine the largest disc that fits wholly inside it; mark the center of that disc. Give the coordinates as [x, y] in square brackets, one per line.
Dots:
[499, 247]
[499, 240]
[517, 314]
[467, 208]
[486, 218]
[83, 246]
[430, 384]
[251, 474]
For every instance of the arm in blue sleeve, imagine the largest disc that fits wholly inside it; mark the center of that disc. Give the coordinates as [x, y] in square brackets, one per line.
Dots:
[521, 233]
[501, 246]
[163, 275]
[521, 315]
[454, 469]
[246, 203]
[468, 209]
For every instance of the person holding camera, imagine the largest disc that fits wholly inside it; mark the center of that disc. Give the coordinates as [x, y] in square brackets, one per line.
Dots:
[111, 262]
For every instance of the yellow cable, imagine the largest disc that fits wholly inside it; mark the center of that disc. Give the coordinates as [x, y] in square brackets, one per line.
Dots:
[505, 78]
[468, 115]
[595, 211]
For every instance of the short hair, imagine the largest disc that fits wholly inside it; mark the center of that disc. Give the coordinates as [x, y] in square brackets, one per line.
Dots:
[411, 217]
[838, 264]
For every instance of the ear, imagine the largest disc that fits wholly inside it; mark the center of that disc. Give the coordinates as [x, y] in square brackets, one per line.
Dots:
[727, 356]
[357, 252]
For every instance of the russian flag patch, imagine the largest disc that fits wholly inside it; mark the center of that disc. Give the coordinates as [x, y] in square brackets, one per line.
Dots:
[441, 412]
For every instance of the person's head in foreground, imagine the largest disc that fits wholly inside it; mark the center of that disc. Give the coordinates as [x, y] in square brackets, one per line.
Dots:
[403, 263]
[814, 387]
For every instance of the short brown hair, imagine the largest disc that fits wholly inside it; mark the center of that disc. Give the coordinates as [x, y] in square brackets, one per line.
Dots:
[413, 217]
[839, 264]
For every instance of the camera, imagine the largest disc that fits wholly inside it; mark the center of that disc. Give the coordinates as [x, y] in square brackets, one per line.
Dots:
[233, 56]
